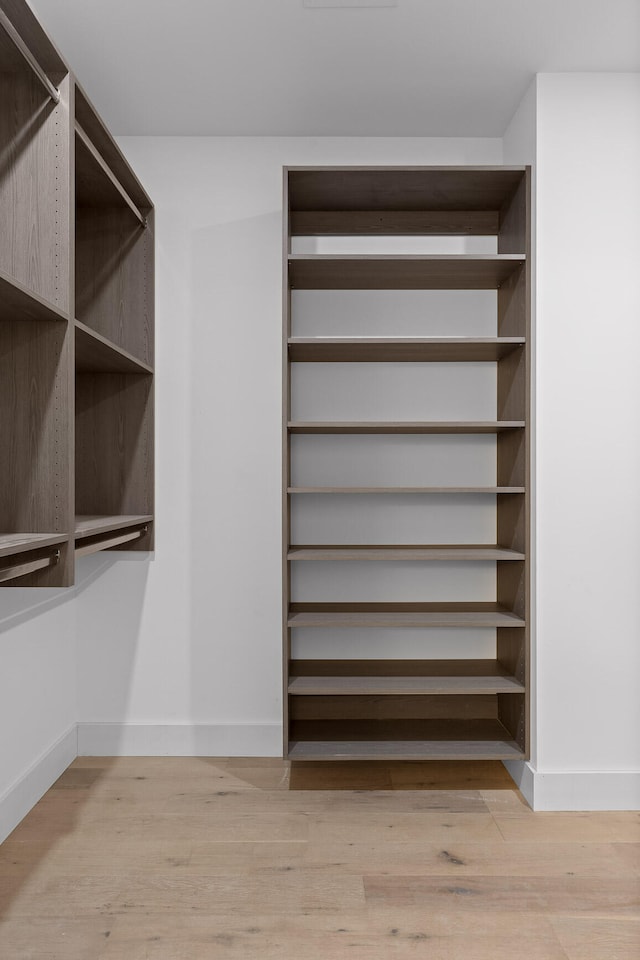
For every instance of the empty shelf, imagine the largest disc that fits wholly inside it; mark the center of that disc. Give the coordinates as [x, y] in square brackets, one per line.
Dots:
[429, 490]
[505, 749]
[17, 302]
[94, 353]
[401, 349]
[401, 552]
[392, 272]
[401, 615]
[410, 190]
[14, 543]
[91, 526]
[453, 739]
[404, 686]
[381, 426]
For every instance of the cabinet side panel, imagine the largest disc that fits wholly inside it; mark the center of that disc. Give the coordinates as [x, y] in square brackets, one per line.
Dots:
[514, 456]
[286, 461]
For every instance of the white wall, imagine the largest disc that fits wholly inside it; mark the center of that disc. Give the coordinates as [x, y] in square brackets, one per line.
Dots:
[193, 644]
[582, 134]
[37, 696]
[588, 439]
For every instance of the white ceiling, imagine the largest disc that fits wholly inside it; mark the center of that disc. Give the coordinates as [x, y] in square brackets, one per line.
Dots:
[274, 67]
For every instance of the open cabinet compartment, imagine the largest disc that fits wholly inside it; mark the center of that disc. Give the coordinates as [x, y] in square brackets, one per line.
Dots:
[114, 344]
[427, 708]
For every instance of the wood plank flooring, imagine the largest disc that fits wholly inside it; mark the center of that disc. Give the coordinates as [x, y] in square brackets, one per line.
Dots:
[207, 859]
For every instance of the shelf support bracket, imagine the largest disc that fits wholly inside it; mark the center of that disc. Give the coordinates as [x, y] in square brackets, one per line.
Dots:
[17, 40]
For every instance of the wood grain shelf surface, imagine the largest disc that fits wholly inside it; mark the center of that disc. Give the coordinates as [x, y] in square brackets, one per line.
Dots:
[14, 543]
[90, 526]
[403, 552]
[499, 749]
[401, 349]
[19, 303]
[407, 490]
[390, 427]
[97, 354]
[358, 686]
[410, 272]
[485, 667]
[401, 615]
[408, 189]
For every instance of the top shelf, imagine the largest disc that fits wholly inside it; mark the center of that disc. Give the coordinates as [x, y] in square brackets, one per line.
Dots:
[96, 184]
[392, 272]
[403, 189]
[20, 20]
[108, 151]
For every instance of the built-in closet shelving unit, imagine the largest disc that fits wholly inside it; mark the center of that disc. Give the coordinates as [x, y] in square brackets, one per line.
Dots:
[76, 322]
[390, 708]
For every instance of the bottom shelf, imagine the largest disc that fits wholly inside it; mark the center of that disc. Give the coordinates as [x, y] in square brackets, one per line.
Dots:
[95, 533]
[402, 740]
[23, 554]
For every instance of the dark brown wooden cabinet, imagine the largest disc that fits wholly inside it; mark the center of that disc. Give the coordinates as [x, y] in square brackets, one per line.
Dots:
[76, 322]
[474, 708]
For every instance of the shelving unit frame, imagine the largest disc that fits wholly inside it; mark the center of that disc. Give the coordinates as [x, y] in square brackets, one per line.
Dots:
[399, 709]
[76, 320]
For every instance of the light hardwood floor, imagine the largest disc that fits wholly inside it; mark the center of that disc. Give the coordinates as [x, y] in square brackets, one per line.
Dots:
[200, 859]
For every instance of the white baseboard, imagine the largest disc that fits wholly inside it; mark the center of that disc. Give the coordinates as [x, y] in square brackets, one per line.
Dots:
[577, 790]
[179, 740]
[20, 797]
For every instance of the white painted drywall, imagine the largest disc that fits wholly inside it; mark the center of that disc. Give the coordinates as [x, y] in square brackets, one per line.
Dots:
[37, 696]
[588, 423]
[194, 637]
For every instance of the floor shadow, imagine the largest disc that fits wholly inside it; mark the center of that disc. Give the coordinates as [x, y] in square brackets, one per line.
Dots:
[49, 822]
[400, 775]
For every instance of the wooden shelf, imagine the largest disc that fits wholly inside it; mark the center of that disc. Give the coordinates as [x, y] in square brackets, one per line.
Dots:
[389, 427]
[372, 191]
[19, 303]
[484, 667]
[317, 750]
[402, 615]
[403, 490]
[402, 740]
[401, 686]
[12, 544]
[391, 272]
[401, 349]
[97, 354]
[402, 552]
[108, 150]
[91, 526]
